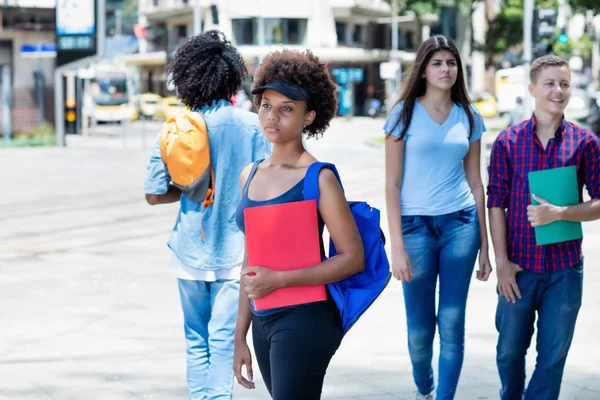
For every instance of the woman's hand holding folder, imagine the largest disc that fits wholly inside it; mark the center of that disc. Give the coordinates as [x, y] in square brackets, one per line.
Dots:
[260, 281]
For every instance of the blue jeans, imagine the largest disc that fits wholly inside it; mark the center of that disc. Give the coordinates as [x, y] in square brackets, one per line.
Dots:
[209, 313]
[444, 246]
[556, 297]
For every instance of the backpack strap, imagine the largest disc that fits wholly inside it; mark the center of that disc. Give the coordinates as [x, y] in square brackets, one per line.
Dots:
[310, 191]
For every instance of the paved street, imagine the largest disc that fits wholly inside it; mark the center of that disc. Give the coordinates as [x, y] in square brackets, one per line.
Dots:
[90, 311]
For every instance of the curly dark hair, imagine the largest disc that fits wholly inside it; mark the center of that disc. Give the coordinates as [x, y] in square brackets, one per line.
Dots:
[206, 68]
[303, 69]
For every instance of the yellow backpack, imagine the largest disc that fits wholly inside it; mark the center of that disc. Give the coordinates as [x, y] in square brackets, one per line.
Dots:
[185, 149]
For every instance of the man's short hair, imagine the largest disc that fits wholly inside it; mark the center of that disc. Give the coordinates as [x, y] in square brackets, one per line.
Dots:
[545, 61]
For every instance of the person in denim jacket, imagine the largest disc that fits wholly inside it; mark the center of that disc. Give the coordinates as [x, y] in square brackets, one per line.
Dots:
[207, 71]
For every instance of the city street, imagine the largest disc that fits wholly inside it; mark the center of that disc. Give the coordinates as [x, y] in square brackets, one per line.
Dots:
[89, 309]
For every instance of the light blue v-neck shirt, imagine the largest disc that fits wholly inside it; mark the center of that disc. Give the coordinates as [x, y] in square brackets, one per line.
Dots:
[434, 180]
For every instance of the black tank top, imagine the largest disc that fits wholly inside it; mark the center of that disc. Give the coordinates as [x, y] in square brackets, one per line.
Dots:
[294, 194]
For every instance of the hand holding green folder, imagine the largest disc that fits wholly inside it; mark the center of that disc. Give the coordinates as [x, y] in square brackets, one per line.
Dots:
[559, 187]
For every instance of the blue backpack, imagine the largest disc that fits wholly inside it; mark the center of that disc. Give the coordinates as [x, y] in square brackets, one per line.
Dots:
[354, 295]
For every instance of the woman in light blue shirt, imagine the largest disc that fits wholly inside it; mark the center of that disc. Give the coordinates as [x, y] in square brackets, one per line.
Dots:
[436, 210]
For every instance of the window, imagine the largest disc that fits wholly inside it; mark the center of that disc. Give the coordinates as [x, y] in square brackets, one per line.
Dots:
[181, 32]
[357, 34]
[276, 30]
[284, 30]
[295, 31]
[340, 30]
[409, 43]
[380, 37]
[244, 31]
[273, 31]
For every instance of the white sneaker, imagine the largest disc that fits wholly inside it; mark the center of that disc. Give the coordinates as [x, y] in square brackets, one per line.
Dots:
[424, 396]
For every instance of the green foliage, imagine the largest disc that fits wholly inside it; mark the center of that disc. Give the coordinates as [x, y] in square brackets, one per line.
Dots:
[581, 48]
[43, 135]
[506, 29]
[420, 7]
[582, 5]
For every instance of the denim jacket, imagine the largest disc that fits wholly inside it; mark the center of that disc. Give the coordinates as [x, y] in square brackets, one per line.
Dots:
[235, 141]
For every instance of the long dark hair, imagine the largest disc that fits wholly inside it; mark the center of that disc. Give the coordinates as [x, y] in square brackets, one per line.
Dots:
[417, 85]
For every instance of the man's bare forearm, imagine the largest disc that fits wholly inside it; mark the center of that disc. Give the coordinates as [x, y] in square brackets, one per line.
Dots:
[588, 211]
[172, 196]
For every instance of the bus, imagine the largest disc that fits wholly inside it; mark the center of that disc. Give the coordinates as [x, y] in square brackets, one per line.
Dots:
[113, 94]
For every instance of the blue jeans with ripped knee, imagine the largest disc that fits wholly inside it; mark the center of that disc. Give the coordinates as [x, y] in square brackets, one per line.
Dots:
[443, 247]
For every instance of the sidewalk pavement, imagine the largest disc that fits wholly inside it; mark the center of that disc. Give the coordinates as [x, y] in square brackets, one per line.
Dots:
[90, 310]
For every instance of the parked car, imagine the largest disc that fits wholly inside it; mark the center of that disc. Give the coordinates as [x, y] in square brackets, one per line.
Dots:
[151, 106]
[486, 104]
[172, 107]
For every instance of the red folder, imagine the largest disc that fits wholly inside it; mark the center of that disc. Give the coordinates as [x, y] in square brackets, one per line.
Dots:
[284, 237]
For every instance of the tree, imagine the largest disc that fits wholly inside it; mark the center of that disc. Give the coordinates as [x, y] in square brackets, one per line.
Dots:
[418, 7]
[505, 29]
[421, 7]
[581, 5]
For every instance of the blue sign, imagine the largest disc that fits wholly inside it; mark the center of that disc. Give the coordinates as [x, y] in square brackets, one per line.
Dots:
[356, 75]
[346, 75]
[34, 48]
[345, 100]
[44, 50]
[341, 76]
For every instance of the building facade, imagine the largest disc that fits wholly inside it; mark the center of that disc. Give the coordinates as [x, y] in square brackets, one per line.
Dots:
[27, 48]
[345, 33]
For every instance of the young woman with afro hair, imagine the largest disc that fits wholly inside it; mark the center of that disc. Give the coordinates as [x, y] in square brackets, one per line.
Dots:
[207, 71]
[295, 97]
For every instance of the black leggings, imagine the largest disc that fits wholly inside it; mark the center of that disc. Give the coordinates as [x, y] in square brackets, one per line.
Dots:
[293, 349]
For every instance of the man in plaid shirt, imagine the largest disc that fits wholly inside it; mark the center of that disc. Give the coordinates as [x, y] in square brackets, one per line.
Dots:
[544, 279]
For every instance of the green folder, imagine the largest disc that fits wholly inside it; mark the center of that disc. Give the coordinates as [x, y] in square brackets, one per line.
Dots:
[559, 187]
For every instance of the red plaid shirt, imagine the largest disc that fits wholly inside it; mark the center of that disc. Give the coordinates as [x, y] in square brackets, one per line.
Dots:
[516, 152]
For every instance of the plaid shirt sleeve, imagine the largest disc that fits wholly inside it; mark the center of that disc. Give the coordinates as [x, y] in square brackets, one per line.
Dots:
[499, 175]
[591, 165]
